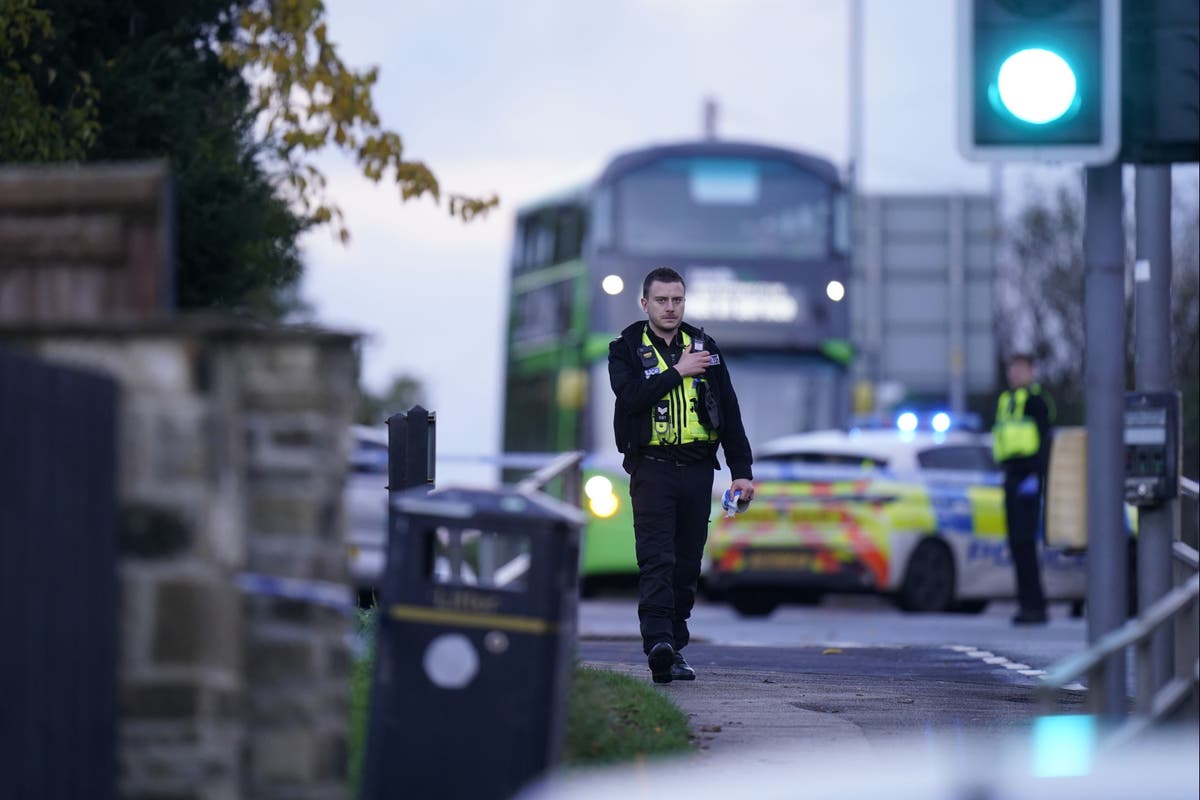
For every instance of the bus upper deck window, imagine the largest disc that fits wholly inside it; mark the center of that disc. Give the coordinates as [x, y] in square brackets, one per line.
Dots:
[724, 181]
[543, 242]
[568, 234]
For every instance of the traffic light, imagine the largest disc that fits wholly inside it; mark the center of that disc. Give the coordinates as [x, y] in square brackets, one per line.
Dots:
[1160, 81]
[1039, 80]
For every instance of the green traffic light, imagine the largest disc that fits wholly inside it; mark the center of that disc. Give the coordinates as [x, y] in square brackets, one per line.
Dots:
[1036, 86]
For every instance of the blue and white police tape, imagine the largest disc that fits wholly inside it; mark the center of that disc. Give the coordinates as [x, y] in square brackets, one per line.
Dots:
[322, 593]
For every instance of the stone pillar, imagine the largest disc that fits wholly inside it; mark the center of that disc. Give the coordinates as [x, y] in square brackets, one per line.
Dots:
[232, 453]
[297, 652]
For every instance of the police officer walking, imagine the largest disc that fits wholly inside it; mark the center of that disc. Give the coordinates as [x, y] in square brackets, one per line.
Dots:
[675, 404]
[1021, 446]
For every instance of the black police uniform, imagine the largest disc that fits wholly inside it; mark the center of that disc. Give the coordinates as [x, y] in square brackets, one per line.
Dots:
[670, 486]
[1024, 489]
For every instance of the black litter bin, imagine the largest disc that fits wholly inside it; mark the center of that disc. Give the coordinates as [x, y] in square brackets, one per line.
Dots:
[473, 648]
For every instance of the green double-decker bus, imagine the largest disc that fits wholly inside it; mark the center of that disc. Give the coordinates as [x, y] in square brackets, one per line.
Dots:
[761, 237]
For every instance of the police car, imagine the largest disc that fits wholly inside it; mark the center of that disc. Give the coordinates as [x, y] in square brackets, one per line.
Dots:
[917, 514]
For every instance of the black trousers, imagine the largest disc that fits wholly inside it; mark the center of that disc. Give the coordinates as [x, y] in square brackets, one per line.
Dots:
[671, 504]
[1023, 512]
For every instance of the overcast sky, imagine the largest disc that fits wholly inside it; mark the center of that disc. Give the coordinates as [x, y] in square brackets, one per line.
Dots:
[524, 97]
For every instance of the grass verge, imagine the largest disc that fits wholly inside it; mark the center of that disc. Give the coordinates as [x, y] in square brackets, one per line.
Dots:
[610, 717]
[362, 668]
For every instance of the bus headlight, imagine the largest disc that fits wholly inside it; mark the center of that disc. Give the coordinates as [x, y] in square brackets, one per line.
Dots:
[603, 506]
[602, 500]
[597, 486]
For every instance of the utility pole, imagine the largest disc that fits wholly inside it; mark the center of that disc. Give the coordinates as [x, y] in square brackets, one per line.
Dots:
[1152, 371]
[867, 250]
[1104, 366]
[709, 121]
[855, 79]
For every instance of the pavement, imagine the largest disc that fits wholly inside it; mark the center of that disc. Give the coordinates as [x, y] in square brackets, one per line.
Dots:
[774, 734]
[798, 698]
[753, 739]
[751, 715]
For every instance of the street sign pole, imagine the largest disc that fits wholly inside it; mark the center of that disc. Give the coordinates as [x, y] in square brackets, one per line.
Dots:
[1104, 364]
[1152, 370]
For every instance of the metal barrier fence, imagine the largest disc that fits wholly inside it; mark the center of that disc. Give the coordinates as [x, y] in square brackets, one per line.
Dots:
[565, 466]
[1180, 606]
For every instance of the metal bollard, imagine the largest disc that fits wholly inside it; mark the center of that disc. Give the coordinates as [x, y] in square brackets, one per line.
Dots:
[412, 449]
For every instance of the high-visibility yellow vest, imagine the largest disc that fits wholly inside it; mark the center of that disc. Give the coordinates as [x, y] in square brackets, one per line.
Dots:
[673, 419]
[1015, 435]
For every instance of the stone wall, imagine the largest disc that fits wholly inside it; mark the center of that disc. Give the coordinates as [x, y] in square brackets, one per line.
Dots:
[232, 456]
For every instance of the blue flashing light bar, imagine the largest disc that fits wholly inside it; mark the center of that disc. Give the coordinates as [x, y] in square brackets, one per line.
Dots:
[911, 421]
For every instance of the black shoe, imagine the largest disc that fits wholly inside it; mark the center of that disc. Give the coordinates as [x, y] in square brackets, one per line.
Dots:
[682, 670]
[662, 662]
[1028, 617]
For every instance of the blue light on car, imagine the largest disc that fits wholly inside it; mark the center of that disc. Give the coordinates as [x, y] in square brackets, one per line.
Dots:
[907, 422]
[940, 422]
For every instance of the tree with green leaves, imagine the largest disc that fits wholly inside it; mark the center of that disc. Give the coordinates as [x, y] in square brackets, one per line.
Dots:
[314, 99]
[46, 113]
[100, 80]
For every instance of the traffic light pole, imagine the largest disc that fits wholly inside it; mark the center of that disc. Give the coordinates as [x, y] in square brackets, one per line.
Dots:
[1152, 370]
[1104, 331]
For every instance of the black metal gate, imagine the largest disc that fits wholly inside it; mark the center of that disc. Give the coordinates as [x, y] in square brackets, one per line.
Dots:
[58, 589]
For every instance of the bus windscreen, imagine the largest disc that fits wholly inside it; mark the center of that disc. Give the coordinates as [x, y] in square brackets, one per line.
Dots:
[723, 207]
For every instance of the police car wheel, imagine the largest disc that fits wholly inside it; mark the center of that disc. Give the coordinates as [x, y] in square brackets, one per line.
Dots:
[710, 592]
[969, 607]
[753, 602]
[929, 580]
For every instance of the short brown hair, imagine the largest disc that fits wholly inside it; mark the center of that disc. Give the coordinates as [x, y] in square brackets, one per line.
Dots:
[662, 275]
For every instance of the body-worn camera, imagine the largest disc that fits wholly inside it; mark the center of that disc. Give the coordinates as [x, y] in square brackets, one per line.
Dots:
[710, 412]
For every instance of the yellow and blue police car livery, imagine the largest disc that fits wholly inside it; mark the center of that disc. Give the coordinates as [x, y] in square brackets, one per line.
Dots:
[872, 511]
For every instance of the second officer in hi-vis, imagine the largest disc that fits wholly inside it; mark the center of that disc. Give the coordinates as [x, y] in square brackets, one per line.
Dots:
[675, 404]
